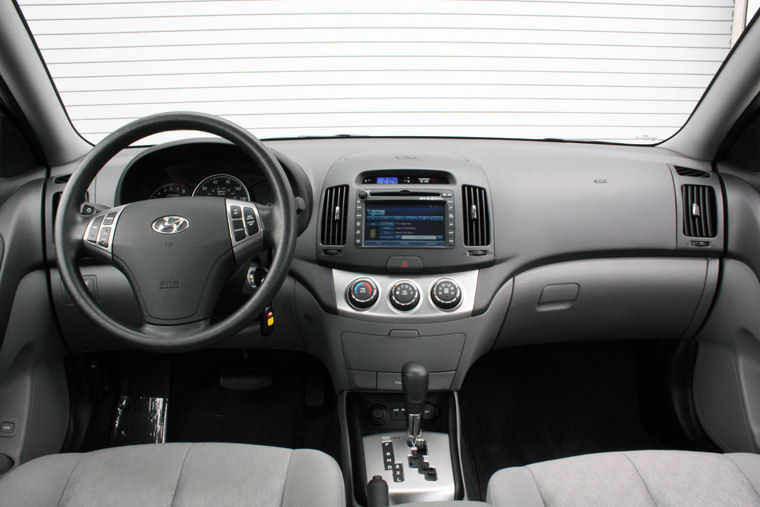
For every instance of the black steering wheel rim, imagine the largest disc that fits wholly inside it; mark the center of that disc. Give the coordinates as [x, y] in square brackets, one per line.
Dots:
[69, 225]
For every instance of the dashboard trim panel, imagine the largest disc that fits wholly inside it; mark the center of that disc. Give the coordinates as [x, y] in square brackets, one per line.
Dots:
[425, 311]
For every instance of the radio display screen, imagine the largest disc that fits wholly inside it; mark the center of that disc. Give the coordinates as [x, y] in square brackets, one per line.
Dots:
[405, 224]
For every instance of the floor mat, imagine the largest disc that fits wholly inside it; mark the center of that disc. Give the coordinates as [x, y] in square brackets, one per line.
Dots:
[531, 404]
[201, 410]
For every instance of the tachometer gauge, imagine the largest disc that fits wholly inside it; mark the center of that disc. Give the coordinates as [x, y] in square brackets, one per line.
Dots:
[223, 185]
[170, 190]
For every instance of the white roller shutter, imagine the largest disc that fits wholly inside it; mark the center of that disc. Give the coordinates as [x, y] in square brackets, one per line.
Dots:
[619, 70]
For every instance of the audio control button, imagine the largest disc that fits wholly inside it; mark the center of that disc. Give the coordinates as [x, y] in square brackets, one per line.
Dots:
[362, 293]
[446, 294]
[404, 295]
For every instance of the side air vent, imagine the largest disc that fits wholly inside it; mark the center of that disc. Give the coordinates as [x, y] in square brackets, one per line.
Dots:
[334, 216]
[699, 211]
[694, 173]
[477, 224]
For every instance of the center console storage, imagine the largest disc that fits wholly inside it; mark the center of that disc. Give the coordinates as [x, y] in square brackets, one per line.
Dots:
[375, 362]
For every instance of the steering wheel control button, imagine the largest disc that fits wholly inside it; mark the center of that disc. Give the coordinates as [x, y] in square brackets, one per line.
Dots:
[249, 217]
[110, 217]
[446, 294]
[244, 221]
[92, 233]
[103, 236]
[399, 264]
[404, 295]
[362, 293]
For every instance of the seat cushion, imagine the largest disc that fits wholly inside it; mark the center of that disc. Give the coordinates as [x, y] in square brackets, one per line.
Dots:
[178, 474]
[638, 478]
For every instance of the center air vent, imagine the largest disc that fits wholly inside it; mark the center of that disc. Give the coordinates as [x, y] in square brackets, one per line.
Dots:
[699, 211]
[334, 216]
[477, 224]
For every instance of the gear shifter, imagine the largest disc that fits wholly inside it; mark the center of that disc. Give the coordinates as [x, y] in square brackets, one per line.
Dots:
[414, 379]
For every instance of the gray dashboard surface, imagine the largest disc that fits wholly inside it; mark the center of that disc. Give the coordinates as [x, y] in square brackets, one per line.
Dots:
[551, 202]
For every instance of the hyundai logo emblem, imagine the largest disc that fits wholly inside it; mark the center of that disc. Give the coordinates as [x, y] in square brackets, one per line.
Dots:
[171, 224]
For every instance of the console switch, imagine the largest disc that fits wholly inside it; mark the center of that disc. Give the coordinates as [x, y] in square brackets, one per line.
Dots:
[401, 264]
[446, 294]
[362, 293]
[404, 295]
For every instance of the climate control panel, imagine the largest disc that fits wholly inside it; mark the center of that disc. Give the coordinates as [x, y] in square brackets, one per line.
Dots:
[415, 298]
[404, 295]
[362, 293]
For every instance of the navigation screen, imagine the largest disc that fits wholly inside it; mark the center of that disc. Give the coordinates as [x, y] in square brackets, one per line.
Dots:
[405, 224]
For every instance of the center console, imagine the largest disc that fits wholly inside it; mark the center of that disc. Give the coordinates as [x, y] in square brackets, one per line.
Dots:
[405, 235]
[404, 448]
[405, 214]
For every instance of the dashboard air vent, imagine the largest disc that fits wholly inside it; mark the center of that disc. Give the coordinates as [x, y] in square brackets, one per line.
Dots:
[694, 173]
[477, 226]
[334, 216]
[699, 211]
[62, 179]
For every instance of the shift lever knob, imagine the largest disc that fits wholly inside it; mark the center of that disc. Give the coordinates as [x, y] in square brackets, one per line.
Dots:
[414, 379]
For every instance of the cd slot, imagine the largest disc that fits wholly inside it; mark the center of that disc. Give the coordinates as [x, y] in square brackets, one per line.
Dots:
[405, 193]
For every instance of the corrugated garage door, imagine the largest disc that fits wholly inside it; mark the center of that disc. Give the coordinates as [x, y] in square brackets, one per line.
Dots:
[622, 70]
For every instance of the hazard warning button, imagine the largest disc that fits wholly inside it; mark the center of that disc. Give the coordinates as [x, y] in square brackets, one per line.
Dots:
[400, 264]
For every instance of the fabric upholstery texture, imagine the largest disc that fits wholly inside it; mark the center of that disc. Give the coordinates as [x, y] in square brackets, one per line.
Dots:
[638, 478]
[179, 475]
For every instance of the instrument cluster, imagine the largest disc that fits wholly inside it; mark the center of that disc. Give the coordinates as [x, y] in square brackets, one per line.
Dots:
[216, 185]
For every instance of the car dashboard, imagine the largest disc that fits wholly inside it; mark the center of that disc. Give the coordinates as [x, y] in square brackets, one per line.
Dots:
[444, 249]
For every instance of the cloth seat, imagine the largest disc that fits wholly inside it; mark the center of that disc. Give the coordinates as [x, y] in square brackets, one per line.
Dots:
[637, 478]
[179, 475]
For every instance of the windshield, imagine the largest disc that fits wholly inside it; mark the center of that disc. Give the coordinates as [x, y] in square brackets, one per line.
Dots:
[620, 71]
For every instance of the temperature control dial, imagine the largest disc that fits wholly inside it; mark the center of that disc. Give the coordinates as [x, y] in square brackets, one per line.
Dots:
[362, 293]
[404, 295]
[446, 294]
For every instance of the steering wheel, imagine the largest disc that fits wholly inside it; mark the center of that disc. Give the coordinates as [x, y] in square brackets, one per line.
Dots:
[177, 252]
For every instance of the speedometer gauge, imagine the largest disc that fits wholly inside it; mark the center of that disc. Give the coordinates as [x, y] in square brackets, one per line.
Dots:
[169, 190]
[223, 185]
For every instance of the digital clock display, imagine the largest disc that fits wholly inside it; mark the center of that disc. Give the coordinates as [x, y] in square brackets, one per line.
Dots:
[387, 180]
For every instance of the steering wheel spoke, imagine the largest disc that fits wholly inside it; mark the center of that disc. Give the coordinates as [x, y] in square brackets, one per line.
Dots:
[247, 229]
[99, 233]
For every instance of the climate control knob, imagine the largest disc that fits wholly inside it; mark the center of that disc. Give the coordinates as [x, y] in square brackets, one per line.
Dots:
[362, 293]
[446, 294]
[404, 295]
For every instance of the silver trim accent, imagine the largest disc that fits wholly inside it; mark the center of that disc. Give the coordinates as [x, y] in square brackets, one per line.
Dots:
[242, 204]
[414, 428]
[425, 311]
[101, 249]
[414, 488]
